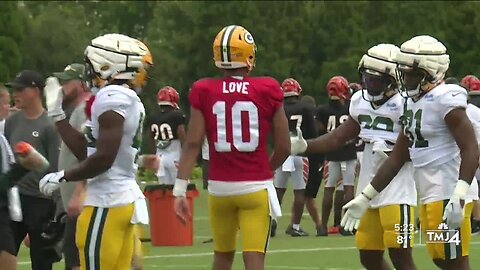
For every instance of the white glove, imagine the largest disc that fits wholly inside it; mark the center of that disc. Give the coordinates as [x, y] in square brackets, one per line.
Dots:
[356, 208]
[54, 99]
[298, 143]
[454, 212]
[51, 182]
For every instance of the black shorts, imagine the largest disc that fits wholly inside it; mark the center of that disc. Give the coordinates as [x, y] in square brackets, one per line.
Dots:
[7, 241]
[314, 176]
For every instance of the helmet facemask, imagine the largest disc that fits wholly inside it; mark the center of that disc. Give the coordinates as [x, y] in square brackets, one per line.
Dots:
[413, 81]
[376, 84]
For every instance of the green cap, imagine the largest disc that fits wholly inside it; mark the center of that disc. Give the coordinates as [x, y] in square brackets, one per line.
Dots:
[73, 71]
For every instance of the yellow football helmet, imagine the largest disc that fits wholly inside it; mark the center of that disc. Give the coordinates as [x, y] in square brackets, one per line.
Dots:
[233, 48]
[142, 76]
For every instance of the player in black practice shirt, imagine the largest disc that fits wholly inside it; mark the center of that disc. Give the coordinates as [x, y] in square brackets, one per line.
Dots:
[167, 133]
[342, 162]
[300, 115]
[315, 174]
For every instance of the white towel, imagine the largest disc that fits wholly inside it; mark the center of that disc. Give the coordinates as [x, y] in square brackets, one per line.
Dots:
[275, 209]
[380, 148]
[140, 212]
[288, 165]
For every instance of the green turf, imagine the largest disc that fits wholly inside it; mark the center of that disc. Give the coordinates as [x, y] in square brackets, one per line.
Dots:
[332, 252]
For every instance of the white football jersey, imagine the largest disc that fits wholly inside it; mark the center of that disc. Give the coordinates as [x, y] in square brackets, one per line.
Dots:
[433, 150]
[121, 176]
[473, 113]
[432, 144]
[382, 125]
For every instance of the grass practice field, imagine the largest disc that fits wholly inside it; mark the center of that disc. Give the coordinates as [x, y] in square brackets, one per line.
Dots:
[285, 252]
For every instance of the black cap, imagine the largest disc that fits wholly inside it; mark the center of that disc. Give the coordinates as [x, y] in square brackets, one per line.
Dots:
[27, 78]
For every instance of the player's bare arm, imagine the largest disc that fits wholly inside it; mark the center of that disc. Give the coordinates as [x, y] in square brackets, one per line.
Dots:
[190, 150]
[462, 131]
[74, 139]
[347, 131]
[392, 165]
[107, 145]
[192, 144]
[182, 134]
[281, 139]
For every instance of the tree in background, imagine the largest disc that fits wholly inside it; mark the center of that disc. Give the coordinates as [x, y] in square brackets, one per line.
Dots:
[311, 40]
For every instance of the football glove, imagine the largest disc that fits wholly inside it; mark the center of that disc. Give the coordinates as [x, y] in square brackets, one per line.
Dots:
[51, 182]
[298, 143]
[54, 99]
[454, 212]
[356, 208]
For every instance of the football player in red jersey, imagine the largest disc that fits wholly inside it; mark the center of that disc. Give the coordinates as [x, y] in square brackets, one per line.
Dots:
[237, 114]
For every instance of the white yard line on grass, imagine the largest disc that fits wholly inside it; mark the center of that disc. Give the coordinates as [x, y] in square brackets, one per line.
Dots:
[205, 266]
[203, 254]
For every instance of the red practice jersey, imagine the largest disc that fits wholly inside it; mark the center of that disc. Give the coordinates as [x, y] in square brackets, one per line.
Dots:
[238, 118]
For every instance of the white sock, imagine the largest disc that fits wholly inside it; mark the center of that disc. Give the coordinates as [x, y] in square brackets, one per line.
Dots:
[296, 226]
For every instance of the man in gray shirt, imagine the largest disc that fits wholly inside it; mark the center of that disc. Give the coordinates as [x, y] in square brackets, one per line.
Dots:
[75, 94]
[32, 124]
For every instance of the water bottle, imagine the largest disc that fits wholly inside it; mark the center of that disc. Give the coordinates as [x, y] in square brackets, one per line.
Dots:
[31, 158]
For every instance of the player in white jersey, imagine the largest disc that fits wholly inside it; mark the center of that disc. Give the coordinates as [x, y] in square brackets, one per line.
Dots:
[438, 138]
[473, 113]
[374, 116]
[114, 201]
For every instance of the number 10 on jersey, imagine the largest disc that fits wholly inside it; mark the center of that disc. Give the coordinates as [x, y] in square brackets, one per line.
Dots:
[232, 118]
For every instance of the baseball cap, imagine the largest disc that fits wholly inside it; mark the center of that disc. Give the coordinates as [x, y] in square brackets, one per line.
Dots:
[27, 78]
[73, 71]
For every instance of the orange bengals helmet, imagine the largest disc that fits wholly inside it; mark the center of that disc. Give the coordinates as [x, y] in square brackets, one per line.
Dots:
[168, 96]
[233, 48]
[338, 88]
[468, 81]
[291, 87]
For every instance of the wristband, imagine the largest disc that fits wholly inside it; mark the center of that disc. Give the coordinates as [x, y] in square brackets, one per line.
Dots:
[59, 117]
[180, 188]
[369, 192]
